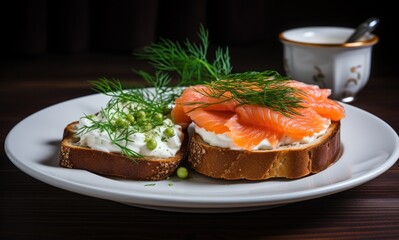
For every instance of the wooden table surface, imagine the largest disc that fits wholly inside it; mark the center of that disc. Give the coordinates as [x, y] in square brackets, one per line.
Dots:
[31, 209]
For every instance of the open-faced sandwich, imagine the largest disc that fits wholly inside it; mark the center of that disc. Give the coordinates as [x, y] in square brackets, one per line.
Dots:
[259, 125]
[248, 125]
[131, 137]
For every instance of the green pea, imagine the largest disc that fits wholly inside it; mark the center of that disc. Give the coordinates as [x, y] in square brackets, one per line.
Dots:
[121, 122]
[151, 144]
[140, 115]
[158, 117]
[169, 132]
[130, 118]
[147, 127]
[182, 172]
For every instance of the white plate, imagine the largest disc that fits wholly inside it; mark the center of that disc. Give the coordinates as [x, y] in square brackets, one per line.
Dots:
[370, 148]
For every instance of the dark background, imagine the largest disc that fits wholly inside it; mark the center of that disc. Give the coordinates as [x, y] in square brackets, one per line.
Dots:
[32, 30]
[49, 50]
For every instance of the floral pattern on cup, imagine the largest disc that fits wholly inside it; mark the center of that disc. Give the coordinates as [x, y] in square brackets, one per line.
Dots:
[319, 77]
[353, 81]
[356, 79]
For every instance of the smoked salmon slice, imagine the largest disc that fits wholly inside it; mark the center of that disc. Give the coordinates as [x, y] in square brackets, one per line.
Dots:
[196, 97]
[212, 121]
[305, 124]
[248, 136]
[249, 124]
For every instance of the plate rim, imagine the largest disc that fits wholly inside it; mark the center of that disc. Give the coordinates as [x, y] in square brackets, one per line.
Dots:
[182, 203]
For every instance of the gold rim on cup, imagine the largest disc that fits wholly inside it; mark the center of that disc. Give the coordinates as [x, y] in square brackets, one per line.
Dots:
[373, 39]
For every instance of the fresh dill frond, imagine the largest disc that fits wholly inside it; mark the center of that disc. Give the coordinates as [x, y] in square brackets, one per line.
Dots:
[108, 87]
[267, 89]
[221, 63]
[156, 99]
[188, 60]
[130, 111]
[163, 91]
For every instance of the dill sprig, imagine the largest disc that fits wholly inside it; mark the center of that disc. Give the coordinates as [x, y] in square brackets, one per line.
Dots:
[119, 120]
[188, 60]
[267, 89]
[156, 99]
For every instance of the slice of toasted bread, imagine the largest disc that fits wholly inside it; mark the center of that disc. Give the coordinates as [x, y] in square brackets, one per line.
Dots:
[292, 162]
[115, 164]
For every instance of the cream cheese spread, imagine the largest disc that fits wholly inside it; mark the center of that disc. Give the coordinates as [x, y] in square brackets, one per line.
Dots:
[225, 141]
[166, 146]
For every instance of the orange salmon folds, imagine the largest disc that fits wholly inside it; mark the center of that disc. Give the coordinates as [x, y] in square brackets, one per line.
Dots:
[248, 125]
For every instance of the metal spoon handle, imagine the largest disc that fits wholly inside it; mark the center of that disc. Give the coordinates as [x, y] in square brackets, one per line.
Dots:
[366, 27]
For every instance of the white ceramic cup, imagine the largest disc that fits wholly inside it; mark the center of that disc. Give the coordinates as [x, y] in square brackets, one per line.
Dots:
[319, 55]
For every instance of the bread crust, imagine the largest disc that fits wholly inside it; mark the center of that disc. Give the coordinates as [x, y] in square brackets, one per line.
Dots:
[290, 162]
[115, 164]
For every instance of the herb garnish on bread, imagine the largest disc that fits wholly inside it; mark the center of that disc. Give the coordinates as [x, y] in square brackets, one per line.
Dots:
[260, 127]
[131, 137]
